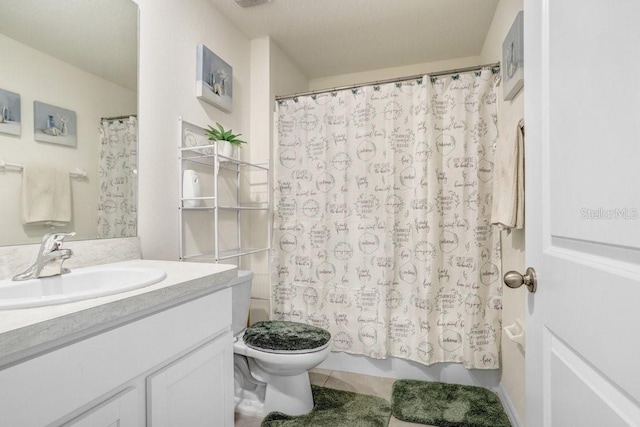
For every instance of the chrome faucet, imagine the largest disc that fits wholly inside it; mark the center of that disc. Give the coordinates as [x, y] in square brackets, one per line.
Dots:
[50, 258]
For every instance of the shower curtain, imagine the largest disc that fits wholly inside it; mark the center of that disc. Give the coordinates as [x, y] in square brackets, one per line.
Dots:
[117, 204]
[382, 211]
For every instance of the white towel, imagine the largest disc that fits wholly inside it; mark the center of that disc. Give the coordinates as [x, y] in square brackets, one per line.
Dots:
[507, 210]
[46, 196]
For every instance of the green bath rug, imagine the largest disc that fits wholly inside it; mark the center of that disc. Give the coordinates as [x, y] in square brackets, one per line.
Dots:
[447, 405]
[336, 408]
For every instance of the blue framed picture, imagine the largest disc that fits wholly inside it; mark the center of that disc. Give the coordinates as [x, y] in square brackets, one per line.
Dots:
[54, 124]
[10, 113]
[214, 79]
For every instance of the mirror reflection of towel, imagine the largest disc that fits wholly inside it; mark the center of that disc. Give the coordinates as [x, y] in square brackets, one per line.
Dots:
[46, 195]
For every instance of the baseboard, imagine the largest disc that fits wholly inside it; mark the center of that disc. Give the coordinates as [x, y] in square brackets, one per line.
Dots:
[508, 406]
[393, 367]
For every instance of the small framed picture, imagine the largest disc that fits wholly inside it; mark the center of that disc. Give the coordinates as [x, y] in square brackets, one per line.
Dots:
[513, 59]
[54, 124]
[10, 113]
[214, 79]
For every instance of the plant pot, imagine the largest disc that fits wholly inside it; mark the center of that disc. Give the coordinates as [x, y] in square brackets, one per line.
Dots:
[226, 149]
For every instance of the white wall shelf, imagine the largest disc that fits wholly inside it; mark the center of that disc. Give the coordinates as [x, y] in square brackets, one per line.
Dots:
[204, 235]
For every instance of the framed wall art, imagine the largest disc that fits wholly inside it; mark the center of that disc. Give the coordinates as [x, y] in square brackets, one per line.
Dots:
[513, 59]
[10, 113]
[214, 79]
[54, 124]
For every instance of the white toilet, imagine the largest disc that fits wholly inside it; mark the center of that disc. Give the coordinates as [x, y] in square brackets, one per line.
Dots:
[269, 378]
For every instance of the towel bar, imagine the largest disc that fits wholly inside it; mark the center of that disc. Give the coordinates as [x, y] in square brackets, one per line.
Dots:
[76, 173]
[5, 165]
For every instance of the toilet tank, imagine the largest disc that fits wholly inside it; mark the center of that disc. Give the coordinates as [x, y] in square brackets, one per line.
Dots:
[241, 299]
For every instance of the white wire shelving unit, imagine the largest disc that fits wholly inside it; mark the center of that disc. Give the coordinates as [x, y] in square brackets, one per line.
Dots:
[196, 151]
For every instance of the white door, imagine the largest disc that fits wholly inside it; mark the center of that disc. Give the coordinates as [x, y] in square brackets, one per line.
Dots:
[582, 122]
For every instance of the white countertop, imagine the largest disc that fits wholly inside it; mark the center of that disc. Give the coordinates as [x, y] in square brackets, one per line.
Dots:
[29, 331]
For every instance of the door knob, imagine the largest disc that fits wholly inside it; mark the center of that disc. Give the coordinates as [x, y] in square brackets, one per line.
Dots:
[514, 280]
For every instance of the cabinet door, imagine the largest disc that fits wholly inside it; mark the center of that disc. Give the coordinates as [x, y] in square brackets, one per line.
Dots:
[196, 390]
[121, 411]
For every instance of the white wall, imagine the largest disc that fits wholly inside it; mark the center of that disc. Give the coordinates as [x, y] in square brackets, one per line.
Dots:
[513, 300]
[40, 77]
[272, 74]
[169, 34]
[391, 73]
[286, 77]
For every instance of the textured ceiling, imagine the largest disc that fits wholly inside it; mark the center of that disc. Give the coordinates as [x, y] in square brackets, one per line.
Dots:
[98, 36]
[332, 37]
[323, 37]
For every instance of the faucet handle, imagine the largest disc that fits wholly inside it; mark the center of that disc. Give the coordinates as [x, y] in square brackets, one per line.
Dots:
[53, 241]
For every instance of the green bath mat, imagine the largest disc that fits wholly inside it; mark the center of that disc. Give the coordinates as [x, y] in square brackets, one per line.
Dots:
[336, 408]
[446, 405]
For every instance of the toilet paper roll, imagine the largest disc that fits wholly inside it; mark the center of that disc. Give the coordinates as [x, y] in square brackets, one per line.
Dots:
[190, 189]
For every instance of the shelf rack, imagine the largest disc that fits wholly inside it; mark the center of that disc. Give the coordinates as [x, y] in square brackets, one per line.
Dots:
[196, 149]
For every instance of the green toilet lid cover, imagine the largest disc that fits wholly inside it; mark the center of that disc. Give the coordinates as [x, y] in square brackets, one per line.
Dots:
[280, 335]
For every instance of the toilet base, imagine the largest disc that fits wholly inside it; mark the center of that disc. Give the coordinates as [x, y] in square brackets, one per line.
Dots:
[257, 392]
[248, 392]
[249, 407]
[289, 394]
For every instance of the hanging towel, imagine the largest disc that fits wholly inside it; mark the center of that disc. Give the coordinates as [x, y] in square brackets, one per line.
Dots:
[46, 196]
[507, 211]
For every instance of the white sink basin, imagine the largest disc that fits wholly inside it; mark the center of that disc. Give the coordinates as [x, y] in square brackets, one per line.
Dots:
[80, 284]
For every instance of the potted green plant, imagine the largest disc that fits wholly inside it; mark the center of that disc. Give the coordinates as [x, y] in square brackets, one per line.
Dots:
[226, 139]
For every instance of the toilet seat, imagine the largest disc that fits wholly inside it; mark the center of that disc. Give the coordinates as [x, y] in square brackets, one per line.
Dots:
[284, 337]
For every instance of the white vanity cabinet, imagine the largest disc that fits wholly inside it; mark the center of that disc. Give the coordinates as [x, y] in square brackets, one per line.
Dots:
[170, 368]
[177, 395]
[121, 410]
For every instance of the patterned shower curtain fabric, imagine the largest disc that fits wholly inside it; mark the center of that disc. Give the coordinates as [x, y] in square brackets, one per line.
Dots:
[117, 203]
[382, 211]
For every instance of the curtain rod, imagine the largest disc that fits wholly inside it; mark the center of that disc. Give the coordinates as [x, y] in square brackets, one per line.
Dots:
[393, 80]
[118, 117]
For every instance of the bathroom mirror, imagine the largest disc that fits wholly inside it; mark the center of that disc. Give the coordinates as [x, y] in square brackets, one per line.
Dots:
[66, 64]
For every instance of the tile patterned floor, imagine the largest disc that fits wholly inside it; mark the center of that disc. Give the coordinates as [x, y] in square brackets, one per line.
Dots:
[365, 384]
